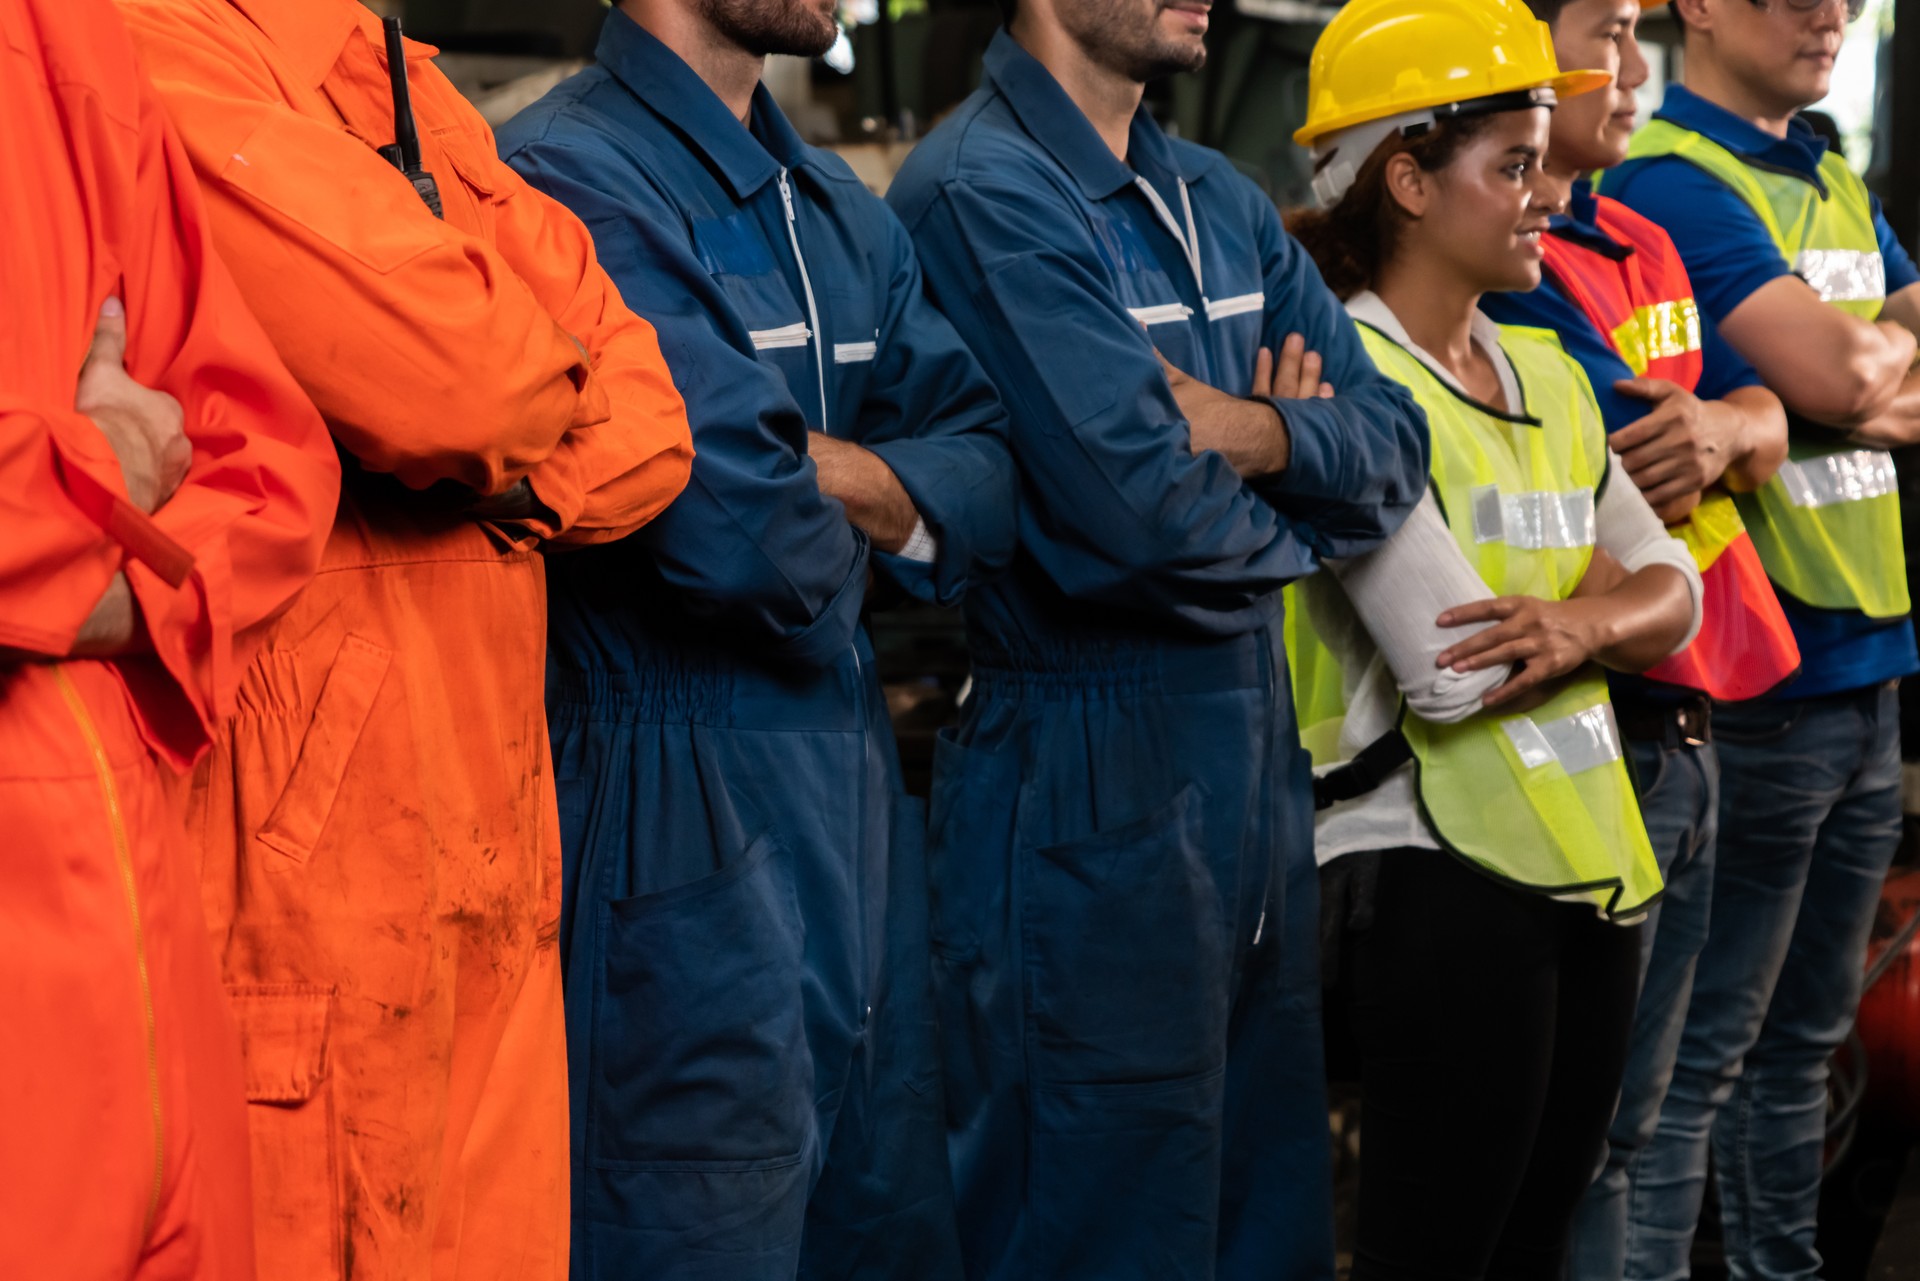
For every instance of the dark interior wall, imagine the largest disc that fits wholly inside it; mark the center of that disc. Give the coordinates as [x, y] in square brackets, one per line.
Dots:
[1897, 132]
[547, 28]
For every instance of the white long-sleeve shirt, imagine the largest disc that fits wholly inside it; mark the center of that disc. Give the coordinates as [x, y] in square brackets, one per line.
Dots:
[1377, 612]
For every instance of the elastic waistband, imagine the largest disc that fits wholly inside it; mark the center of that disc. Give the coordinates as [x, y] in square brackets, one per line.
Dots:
[715, 692]
[1167, 667]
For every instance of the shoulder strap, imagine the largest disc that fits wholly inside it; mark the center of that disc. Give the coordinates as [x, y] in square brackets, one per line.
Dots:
[1366, 771]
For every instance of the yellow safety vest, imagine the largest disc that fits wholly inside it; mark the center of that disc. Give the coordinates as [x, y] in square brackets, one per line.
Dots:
[1543, 800]
[1827, 526]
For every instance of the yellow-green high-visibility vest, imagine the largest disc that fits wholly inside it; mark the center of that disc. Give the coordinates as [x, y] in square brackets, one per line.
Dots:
[1541, 800]
[1827, 526]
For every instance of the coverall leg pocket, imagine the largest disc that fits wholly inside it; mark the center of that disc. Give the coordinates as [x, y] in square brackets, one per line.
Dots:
[290, 1118]
[699, 1127]
[1128, 964]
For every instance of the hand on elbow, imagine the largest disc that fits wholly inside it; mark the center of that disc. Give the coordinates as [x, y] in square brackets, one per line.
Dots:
[1542, 639]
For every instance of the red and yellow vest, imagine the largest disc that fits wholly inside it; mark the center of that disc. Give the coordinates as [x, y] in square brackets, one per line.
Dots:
[1642, 301]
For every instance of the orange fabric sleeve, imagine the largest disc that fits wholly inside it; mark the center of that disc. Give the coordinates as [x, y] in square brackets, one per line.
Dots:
[58, 557]
[258, 501]
[106, 205]
[426, 352]
[608, 479]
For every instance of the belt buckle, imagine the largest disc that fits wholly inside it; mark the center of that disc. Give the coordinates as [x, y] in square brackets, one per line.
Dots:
[1694, 721]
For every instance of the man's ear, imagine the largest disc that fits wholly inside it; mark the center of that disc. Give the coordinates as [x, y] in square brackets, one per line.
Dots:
[1693, 15]
[1408, 185]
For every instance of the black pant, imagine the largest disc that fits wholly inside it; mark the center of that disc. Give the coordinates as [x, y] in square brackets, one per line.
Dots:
[1493, 1026]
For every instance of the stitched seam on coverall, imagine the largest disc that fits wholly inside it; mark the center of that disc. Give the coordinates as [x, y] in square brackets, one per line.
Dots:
[124, 859]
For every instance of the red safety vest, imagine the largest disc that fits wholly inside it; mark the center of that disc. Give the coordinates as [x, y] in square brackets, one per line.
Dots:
[1642, 301]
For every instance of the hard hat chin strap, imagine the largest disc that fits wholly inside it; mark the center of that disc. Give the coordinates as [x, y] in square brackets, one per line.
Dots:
[1337, 157]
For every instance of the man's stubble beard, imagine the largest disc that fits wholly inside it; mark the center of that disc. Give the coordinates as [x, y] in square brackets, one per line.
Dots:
[1119, 37]
[764, 27]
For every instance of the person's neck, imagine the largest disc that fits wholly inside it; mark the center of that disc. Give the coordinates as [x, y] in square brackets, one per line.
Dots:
[1436, 309]
[1568, 168]
[1714, 82]
[1107, 98]
[730, 71]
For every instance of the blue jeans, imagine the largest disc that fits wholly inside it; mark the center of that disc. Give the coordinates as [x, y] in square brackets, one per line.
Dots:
[1679, 799]
[1809, 820]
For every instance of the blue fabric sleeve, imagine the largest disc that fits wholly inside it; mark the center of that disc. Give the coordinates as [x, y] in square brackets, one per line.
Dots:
[1899, 263]
[1722, 369]
[933, 417]
[751, 541]
[1359, 460]
[1725, 246]
[1114, 508]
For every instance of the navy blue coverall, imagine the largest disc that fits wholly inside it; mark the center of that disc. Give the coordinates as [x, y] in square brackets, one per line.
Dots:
[1122, 827]
[755, 1085]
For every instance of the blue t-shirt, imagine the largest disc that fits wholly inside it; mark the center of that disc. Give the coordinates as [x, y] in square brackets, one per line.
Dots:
[1729, 254]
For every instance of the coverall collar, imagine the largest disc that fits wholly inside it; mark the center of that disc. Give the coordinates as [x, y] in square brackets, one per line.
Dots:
[1799, 153]
[747, 158]
[311, 33]
[1581, 223]
[1056, 122]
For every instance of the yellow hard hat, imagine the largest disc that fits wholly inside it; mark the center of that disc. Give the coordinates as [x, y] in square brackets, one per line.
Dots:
[1384, 58]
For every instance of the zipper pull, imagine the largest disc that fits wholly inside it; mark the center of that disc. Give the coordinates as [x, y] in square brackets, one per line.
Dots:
[786, 195]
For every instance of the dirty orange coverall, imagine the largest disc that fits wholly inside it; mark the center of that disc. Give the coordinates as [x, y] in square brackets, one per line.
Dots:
[123, 1143]
[382, 867]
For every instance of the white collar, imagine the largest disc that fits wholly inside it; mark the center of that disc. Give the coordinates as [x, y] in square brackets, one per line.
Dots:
[1366, 306]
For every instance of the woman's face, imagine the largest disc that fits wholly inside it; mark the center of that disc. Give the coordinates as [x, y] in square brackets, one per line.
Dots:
[1486, 211]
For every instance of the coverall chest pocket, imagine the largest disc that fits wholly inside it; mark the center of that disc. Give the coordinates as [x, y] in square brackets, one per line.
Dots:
[781, 333]
[700, 1062]
[853, 329]
[1144, 288]
[1150, 299]
[467, 189]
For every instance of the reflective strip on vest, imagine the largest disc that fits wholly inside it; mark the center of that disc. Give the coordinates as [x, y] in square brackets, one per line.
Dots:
[1580, 742]
[1658, 331]
[1851, 477]
[1534, 521]
[1843, 275]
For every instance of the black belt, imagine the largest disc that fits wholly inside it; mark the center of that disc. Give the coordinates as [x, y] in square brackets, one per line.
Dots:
[1671, 725]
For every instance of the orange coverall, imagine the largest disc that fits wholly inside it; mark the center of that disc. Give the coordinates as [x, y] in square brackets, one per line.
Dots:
[123, 1143]
[382, 866]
